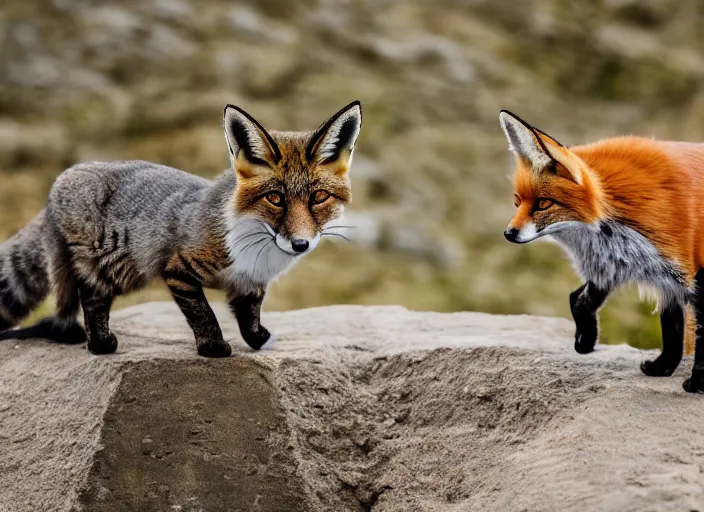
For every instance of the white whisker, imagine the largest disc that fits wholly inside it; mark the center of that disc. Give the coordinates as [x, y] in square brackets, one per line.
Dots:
[248, 236]
[256, 258]
[252, 244]
[337, 234]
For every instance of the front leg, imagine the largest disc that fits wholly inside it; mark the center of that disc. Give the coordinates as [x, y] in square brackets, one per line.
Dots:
[585, 303]
[672, 323]
[695, 383]
[247, 309]
[96, 312]
[189, 296]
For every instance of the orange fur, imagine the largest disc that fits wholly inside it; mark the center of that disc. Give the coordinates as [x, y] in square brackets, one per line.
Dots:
[655, 187]
[295, 178]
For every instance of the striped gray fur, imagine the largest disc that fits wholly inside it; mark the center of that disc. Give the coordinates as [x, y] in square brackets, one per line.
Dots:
[110, 228]
[133, 217]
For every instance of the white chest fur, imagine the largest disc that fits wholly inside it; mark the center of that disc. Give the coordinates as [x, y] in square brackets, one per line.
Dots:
[256, 259]
[612, 254]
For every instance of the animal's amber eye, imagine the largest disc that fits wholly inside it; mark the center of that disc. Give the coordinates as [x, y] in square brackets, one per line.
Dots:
[319, 196]
[275, 198]
[544, 204]
[516, 201]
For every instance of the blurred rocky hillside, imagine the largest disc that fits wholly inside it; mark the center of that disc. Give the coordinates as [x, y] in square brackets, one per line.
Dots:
[147, 79]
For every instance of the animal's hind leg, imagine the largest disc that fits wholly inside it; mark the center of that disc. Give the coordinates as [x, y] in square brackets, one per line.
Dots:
[63, 327]
[585, 303]
[695, 383]
[65, 322]
[96, 310]
[672, 321]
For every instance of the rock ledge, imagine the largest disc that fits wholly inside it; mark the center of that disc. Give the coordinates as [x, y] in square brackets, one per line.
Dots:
[355, 408]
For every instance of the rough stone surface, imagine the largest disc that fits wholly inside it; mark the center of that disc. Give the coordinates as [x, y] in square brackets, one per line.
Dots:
[353, 408]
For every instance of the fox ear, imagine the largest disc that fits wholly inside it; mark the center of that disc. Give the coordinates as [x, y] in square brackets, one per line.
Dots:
[248, 141]
[542, 151]
[524, 141]
[334, 141]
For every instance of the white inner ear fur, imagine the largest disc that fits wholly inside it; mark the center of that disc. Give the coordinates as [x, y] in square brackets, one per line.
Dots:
[330, 143]
[255, 139]
[569, 164]
[522, 141]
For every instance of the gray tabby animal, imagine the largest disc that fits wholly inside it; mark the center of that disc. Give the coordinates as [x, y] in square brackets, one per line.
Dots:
[110, 228]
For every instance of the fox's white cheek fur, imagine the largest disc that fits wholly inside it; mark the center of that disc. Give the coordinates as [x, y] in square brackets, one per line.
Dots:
[256, 259]
[527, 232]
[313, 243]
[259, 255]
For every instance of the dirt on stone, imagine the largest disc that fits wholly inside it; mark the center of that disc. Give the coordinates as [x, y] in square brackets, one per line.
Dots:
[353, 409]
[204, 441]
[491, 429]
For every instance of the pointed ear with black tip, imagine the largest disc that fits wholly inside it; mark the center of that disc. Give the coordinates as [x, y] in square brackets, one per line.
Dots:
[334, 141]
[249, 143]
[524, 141]
[540, 150]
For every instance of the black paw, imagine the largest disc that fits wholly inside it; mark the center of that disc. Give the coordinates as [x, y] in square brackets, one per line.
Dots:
[5, 325]
[72, 334]
[658, 367]
[102, 346]
[584, 340]
[693, 385]
[256, 340]
[49, 329]
[214, 349]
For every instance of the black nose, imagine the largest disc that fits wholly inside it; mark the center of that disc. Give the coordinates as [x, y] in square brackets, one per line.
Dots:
[299, 245]
[511, 234]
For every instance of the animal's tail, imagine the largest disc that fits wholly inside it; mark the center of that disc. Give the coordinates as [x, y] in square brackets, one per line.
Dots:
[25, 283]
[24, 280]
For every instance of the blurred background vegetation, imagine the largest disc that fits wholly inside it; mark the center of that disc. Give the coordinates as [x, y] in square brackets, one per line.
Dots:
[147, 79]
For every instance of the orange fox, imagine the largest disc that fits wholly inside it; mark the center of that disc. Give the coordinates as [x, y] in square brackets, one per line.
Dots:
[626, 210]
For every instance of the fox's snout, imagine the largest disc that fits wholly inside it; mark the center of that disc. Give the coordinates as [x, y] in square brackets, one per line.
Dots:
[297, 244]
[526, 233]
[300, 244]
[511, 233]
[299, 232]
